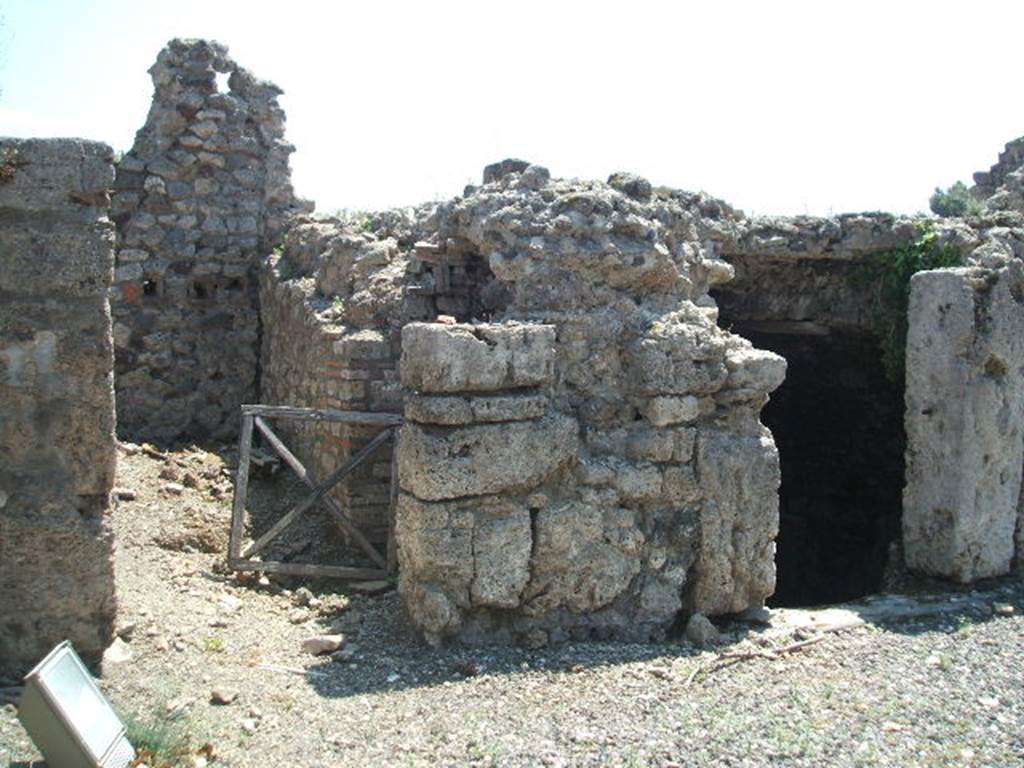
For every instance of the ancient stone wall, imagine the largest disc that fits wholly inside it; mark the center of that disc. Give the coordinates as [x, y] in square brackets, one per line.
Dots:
[965, 421]
[197, 200]
[1001, 187]
[57, 446]
[590, 463]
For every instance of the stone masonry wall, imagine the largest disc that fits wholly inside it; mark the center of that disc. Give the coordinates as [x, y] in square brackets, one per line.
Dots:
[965, 421]
[57, 446]
[331, 367]
[590, 463]
[197, 200]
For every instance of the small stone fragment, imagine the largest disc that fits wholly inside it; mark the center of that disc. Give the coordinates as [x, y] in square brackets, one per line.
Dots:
[370, 587]
[222, 696]
[322, 644]
[125, 494]
[117, 653]
[174, 489]
[700, 630]
[1003, 609]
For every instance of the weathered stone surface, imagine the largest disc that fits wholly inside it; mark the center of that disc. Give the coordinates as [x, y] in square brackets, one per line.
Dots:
[663, 411]
[438, 463]
[681, 354]
[462, 553]
[213, 171]
[965, 413]
[739, 479]
[502, 542]
[460, 358]
[452, 410]
[583, 558]
[56, 400]
[700, 631]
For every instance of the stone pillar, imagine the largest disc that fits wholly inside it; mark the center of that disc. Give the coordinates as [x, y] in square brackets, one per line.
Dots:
[964, 420]
[57, 448]
[478, 444]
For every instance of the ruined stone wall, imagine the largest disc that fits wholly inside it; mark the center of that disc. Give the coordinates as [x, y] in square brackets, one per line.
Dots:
[197, 200]
[1001, 187]
[591, 462]
[965, 418]
[57, 446]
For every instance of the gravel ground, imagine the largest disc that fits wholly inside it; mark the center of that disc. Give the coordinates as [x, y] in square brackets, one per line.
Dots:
[941, 691]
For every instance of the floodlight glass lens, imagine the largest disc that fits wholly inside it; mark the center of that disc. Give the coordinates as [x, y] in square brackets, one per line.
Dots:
[86, 710]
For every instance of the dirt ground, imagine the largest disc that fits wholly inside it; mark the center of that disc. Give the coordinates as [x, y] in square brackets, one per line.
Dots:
[942, 688]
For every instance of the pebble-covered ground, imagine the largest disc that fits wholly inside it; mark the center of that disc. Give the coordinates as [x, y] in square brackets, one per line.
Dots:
[946, 690]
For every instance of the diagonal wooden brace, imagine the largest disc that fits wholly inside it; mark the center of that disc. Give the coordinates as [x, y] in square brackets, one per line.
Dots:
[319, 492]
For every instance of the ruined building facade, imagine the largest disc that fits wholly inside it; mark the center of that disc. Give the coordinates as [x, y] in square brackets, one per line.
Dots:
[622, 404]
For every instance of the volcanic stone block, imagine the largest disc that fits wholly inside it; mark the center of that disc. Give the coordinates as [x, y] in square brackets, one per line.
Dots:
[482, 358]
[739, 477]
[964, 421]
[444, 463]
[583, 558]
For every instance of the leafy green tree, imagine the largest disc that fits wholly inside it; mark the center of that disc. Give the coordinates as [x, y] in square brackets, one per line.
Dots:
[955, 201]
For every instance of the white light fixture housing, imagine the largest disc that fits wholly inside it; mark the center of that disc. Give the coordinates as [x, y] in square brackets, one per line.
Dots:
[68, 718]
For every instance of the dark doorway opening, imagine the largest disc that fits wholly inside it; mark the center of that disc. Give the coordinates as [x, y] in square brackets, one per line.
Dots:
[838, 424]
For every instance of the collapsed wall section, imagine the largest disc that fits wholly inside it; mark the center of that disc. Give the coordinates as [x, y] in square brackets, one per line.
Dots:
[57, 446]
[196, 201]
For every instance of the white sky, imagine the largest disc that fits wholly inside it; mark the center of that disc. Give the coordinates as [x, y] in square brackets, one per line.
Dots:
[777, 107]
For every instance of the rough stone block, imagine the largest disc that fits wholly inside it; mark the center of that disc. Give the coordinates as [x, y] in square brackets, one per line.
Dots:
[666, 410]
[739, 478]
[446, 410]
[481, 358]
[964, 421]
[55, 175]
[583, 558]
[447, 463]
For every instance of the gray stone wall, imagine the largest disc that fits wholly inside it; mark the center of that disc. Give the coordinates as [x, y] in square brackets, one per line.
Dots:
[57, 446]
[197, 200]
[1001, 187]
[965, 421]
[590, 463]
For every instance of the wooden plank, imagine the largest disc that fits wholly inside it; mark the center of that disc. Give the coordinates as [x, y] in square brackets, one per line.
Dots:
[392, 548]
[241, 490]
[281, 449]
[323, 414]
[310, 569]
[319, 492]
[332, 505]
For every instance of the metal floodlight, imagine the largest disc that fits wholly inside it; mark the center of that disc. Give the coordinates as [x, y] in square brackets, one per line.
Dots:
[69, 720]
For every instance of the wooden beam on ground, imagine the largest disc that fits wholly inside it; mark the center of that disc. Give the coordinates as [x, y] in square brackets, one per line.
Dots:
[370, 418]
[310, 569]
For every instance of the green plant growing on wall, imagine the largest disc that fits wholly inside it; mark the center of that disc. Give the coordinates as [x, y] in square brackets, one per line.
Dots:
[955, 201]
[889, 273]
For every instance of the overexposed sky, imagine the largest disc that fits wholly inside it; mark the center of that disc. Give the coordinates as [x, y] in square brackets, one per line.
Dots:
[777, 107]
